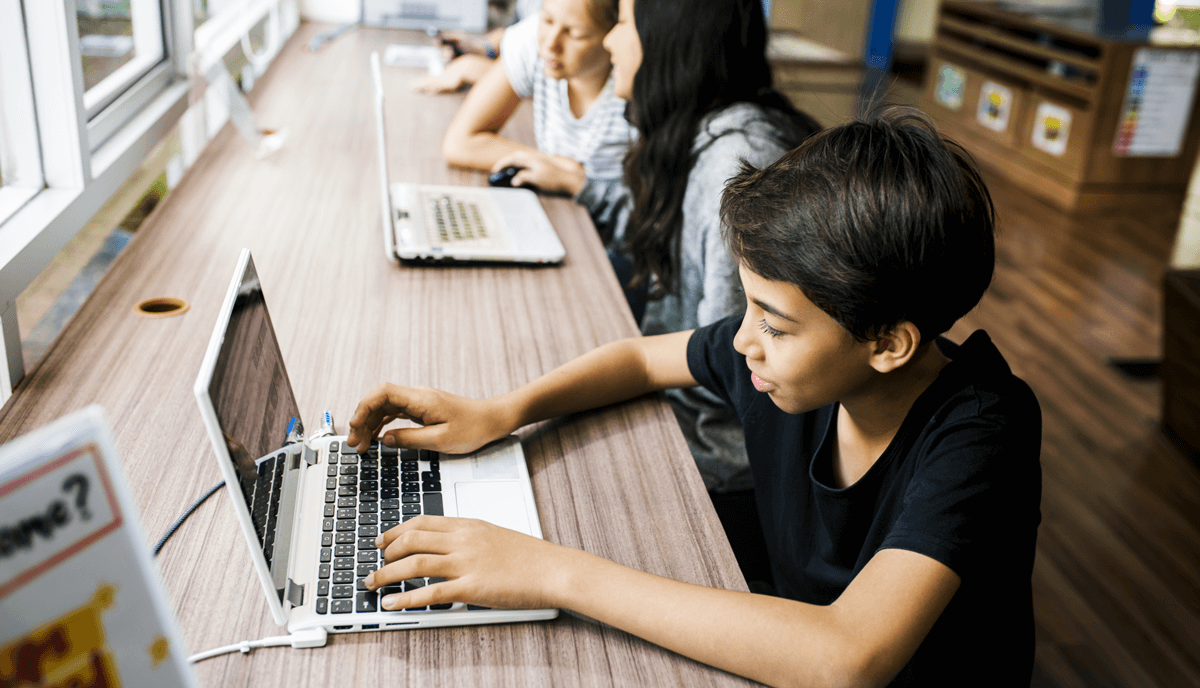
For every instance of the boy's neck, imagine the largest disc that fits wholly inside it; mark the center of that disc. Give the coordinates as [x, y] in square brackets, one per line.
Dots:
[868, 422]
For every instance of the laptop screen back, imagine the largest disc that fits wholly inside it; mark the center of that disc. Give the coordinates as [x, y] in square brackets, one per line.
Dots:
[253, 401]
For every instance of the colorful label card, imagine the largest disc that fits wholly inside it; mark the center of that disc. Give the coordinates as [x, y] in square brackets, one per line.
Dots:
[995, 106]
[1051, 128]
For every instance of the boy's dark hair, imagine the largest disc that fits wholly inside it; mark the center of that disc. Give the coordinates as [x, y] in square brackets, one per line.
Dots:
[876, 221]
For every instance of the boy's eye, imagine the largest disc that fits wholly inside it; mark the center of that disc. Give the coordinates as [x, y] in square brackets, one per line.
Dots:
[771, 331]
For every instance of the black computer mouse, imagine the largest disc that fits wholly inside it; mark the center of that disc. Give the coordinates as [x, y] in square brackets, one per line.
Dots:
[505, 176]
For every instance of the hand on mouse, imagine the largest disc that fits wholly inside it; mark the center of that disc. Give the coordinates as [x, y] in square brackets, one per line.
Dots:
[553, 173]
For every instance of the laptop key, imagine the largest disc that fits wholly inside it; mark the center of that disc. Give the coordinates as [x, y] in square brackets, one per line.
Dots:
[343, 538]
[330, 496]
[391, 589]
[432, 503]
[393, 515]
[323, 588]
[410, 510]
[327, 539]
[326, 555]
[331, 483]
[369, 473]
[366, 543]
[389, 504]
[365, 570]
[431, 486]
[349, 470]
[349, 459]
[330, 510]
[340, 591]
[389, 482]
[346, 564]
[361, 584]
[445, 605]
[413, 584]
[331, 470]
[323, 571]
[347, 524]
[368, 531]
[347, 490]
[408, 517]
[410, 497]
[345, 513]
[322, 605]
[366, 602]
[411, 487]
[343, 577]
[347, 480]
[342, 606]
[407, 465]
[368, 497]
[348, 449]
[368, 555]
[344, 550]
[333, 448]
[368, 507]
[327, 524]
[389, 492]
[366, 485]
[389, 472]
[385, 450]
[347, 502]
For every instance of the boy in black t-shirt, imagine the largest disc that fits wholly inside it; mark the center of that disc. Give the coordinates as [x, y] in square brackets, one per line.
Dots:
[897, 474]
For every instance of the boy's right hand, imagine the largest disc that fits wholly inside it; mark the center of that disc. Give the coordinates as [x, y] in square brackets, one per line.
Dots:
[450, 424]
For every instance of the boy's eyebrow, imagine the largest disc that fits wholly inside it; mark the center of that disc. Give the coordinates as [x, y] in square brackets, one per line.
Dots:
[772, 310]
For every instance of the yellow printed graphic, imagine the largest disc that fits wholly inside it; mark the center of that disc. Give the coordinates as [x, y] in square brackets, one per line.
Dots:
[1053, 128]
[159, 650]
[68, 652]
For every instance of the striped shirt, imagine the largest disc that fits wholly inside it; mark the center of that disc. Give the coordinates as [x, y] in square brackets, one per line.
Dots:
[598, 140]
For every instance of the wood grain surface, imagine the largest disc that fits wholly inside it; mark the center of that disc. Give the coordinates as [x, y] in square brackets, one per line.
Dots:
[618, 482]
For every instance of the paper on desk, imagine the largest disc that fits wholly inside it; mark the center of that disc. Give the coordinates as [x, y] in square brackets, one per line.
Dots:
[414, 56]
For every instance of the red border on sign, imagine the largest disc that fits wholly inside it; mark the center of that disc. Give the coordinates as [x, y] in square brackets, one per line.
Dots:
[77, 547]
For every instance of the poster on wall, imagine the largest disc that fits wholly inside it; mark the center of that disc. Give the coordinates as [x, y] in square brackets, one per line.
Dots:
[1051, 128]
[1158, 103]
[951, 81]
[80, 598]
[995, 106]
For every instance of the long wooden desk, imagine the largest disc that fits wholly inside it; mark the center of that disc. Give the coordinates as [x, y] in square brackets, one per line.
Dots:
[618, 482]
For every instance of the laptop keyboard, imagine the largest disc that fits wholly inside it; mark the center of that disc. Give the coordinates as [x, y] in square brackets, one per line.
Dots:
[365, 495]
[262, 493]
[457, 222]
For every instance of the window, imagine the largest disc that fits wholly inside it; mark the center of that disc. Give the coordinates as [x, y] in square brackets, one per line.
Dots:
[20, 159]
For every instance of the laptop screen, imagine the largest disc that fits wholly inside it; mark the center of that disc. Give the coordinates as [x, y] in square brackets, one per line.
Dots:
[254, 404]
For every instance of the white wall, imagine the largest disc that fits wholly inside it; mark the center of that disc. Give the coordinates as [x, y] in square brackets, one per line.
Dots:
[334, 11]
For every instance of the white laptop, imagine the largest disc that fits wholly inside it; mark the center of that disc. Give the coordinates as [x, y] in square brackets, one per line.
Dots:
[459, 223]
[310, 510]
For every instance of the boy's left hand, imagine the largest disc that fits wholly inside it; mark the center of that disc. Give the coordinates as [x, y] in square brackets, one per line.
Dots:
[552, 173]
[482, 563]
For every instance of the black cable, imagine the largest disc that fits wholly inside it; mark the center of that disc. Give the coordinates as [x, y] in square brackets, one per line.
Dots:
[195, 505]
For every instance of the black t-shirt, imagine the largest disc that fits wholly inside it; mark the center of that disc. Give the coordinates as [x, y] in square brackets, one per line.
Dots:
[961, 483]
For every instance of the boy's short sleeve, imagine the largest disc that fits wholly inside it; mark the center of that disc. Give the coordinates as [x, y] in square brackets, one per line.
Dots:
[975, 496]
[713, 361]
[519, 55]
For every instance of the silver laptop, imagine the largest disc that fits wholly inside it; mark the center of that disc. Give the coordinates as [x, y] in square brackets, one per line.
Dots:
[459, 223]
[310, 509]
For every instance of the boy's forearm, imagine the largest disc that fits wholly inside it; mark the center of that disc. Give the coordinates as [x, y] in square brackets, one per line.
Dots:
[609, 374]
[769, 639]
[478, 150]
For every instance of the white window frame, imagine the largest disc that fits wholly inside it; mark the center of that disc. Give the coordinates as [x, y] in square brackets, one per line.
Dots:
[22, 159]
[83, 160]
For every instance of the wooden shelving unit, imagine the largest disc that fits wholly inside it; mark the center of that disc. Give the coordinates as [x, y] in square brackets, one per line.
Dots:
[1044, 102]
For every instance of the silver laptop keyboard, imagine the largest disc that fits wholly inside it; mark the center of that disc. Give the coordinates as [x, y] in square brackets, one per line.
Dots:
[365, 495]
[458, 222]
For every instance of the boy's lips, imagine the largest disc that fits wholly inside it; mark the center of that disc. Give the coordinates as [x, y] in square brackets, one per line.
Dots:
[759, 383]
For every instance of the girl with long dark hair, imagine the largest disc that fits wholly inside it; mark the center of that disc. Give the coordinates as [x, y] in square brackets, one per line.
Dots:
[699, 88]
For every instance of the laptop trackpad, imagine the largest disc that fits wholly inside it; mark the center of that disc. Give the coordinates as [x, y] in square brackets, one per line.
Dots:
[494, 501]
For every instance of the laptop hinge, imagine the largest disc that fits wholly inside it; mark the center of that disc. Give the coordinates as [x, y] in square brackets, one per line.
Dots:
[294, 593]
[310, 456]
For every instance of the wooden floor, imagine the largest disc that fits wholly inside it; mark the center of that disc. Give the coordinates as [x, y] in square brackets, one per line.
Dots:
[1117, 576]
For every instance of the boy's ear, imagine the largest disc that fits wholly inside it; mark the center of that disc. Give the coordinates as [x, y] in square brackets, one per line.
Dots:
[896, 347]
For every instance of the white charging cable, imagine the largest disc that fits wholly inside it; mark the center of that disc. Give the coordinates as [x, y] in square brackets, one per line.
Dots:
[309, 637]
